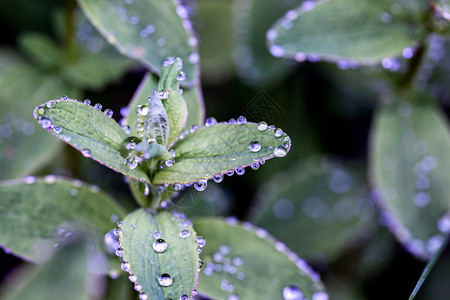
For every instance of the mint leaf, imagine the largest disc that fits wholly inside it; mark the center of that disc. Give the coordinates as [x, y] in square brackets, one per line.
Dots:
[36, 213]
[240, 260]
[220, 148]
[160, 253]
[88, 130]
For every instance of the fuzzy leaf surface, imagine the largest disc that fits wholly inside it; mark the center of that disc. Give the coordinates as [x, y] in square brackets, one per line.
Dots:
[255, 259]
[146, 30]
[364, 31]
[218, 149]
[180, 259]
[35, 213]
[410, 170]
[89, 130]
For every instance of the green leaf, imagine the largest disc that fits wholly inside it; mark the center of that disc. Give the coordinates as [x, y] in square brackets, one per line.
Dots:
[64, 275]
[326, 203]
[156, 123]
[23, 147]
[147, 30]
[150, 258]
[41, 49]
[193, 98]
[363, 32]
[410, 170]
[35, 213]
[240, 259]
[220, 148]
[175, 104]
[88, 130]
[251, 20]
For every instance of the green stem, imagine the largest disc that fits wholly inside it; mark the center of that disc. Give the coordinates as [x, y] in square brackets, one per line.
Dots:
[413, 68]
[69, 24]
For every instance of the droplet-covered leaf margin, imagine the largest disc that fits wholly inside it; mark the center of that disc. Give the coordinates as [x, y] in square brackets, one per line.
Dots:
[147, 30]
[36, 213]
[362, 31]
[410, 171]
[88, 130]
[160, 253]
[222, 147]
[245, 261]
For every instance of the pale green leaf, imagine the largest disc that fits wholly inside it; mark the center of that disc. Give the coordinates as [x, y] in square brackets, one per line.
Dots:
[193, 98]
[362, 31]
[88, 130]
[327, 204]
[36, 213]
[410, 171]
[65, 276]
[220, 148]
[179, 259]
[146, 30]
[156, 123]
[23, 146]
[175, 104]
[240, 259]
[251, 20]
[41, 49]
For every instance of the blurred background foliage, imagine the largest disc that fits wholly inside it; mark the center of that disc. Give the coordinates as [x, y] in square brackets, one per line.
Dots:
[317, 200]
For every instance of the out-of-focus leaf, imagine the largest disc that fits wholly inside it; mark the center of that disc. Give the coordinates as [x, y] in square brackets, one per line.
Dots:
[147, 30]
[88, 130]
[160, 253]
[214, 17]
[41, 49]
[252, 19]
[327, 204]
[65, 275]
[410, 171]
[363, 32]
[217, 149]
[23, 147]
[36, 213]
[240, 260]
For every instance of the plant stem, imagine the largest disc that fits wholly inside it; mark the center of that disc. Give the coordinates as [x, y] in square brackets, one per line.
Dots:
[69, 24]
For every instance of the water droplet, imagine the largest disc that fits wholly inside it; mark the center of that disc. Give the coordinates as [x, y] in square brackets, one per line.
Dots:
[50, 103]
[125, 266]
[40, 110]
[143, 297]
[185, 233]
[200, 185]
[241, 120]
[262, 126]
[254, 146]
[30, 179]
[86, 152]
[57, 129]
[194, 292]
[232, 121]
[163, 94]
[142, 110]
[279, 132]
[233, 297]
[184, 297]
[131, 162]
[210, 122]
[230, 172]
[87, 101]
[156, 234]
[277, 50]
[109, 112]
[132, 278]
[279, 152]
[218, 178]
[201, 242]
[422, 199]
[255, 165]
[98, 106]
[292, 293]
[238, 261]
[64, 97]
[181, 77]
[46, 122]
[165, 279]
[159, 245]
[320, 296]
[194, 58]
[240, 170]
[177, 186]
